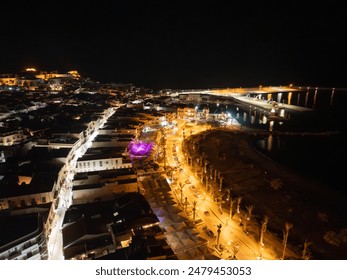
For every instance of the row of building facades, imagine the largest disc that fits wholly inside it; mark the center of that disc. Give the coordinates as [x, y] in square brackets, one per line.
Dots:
[40, 132]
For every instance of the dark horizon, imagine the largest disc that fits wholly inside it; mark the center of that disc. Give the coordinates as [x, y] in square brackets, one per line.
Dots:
[184, 81]
[175, 45]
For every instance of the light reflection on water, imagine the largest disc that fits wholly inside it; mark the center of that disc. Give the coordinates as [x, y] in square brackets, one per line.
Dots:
[318, 157]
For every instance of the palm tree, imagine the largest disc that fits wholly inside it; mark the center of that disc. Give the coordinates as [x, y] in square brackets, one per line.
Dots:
[276, 184]
[234, 249]
[220, 183]
[305, 253]
[248, 216]
[215, 175]
[287, 228]
[262, 231]
[206, 181]
[232, 201]
[239, 199]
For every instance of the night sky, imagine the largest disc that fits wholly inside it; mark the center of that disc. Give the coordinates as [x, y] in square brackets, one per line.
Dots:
[180, 44]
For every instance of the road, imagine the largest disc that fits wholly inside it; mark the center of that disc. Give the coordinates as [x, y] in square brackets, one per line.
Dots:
[265, 104]
[188, 189]
[231, 234]
[64, 198]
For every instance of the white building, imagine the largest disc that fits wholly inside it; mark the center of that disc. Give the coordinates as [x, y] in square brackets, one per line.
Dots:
[88, 164]
[25, 242]
[12, 137]
[94, 186]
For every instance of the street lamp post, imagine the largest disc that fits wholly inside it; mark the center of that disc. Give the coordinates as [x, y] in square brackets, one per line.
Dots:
[173, 175]
[218, 234]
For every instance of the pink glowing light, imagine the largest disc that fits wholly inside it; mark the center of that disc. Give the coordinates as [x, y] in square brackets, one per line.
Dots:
[140, 148]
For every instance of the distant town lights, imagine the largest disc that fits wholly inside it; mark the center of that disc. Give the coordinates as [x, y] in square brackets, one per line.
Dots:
[30, 69]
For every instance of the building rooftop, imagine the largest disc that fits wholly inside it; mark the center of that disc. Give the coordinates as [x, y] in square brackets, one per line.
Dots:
[43, 179]
[99, 153]
[45, 153]
[104, 174]
[16, 227]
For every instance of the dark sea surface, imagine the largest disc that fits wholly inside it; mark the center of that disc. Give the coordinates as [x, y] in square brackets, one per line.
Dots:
[315, 145]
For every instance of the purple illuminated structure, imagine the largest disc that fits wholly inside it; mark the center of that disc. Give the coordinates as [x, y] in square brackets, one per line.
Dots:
[139, 149]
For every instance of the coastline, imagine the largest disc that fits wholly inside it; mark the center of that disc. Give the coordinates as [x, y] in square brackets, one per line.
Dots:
[312, 208]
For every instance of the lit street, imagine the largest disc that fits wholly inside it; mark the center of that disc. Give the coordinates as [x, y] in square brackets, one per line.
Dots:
[188, 189]
[64, 198]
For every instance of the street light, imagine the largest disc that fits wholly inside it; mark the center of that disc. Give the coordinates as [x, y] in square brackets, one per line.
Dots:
[173, 176]
[218, 234]
[229, 245]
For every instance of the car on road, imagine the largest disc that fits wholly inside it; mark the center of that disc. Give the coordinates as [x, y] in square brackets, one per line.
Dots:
[209, 232]
[197, 194]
